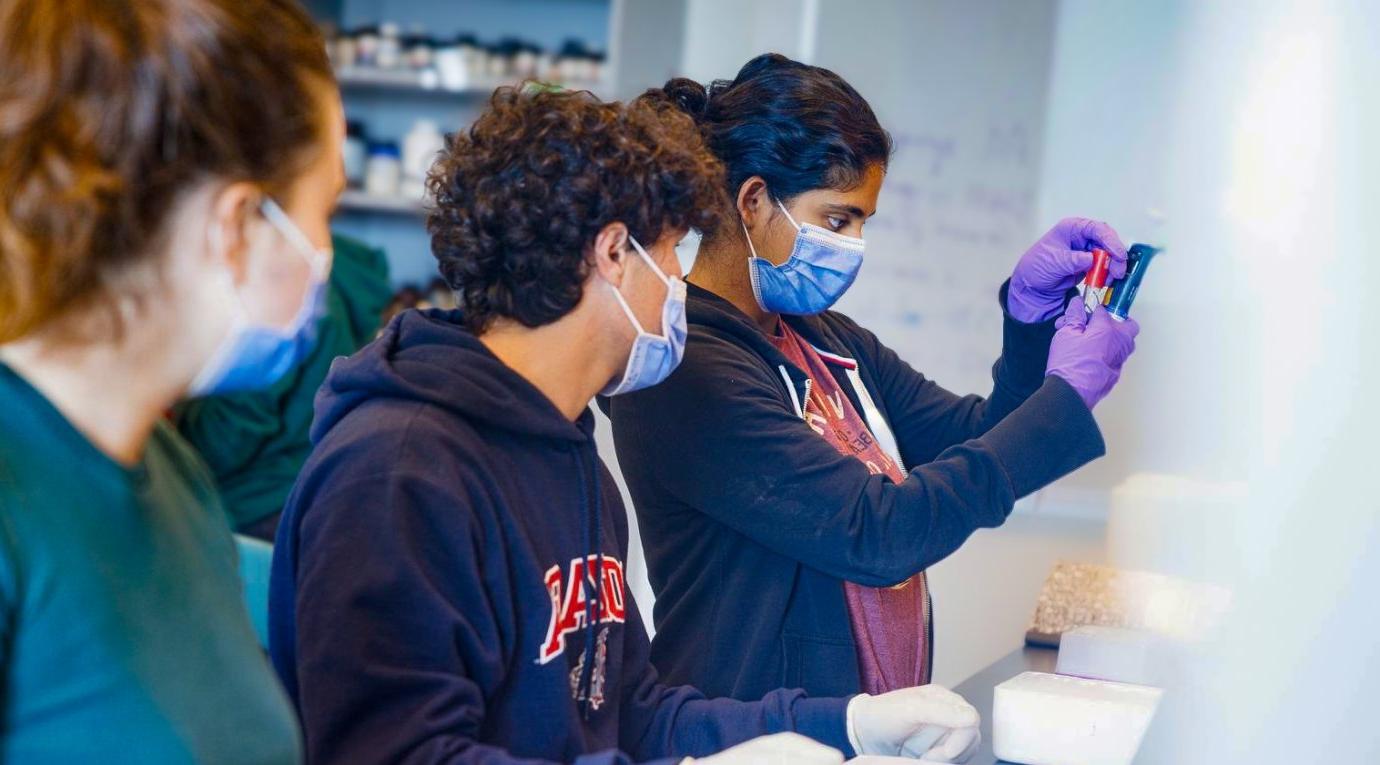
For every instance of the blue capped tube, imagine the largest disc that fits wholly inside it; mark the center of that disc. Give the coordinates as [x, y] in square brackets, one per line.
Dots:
[1123, 290]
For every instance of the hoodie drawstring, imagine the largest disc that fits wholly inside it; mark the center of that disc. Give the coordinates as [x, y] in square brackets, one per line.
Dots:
[593, 589]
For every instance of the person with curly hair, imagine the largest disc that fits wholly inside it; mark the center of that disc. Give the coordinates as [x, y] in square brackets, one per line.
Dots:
[449, 584]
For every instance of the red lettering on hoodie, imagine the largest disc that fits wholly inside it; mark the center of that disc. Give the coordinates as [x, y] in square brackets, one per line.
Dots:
[568, 601]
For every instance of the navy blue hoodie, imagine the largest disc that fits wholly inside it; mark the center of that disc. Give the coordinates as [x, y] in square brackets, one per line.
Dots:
[433, 596]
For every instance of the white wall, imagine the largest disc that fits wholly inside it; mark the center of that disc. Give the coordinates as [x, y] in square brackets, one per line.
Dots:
[1273, 187]
[721, 35]
[984, 594]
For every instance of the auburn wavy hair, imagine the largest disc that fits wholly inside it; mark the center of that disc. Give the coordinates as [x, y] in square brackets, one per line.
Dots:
[108, 110]
[520, 196]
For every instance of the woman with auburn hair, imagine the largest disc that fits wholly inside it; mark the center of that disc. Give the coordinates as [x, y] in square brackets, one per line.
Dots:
[167, 170]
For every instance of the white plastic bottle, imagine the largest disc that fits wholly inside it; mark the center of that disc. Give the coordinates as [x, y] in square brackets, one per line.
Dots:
[381, 174]
[420, 147]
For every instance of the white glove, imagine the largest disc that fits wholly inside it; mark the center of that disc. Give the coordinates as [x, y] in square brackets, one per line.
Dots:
[776, 749]
[928, 721]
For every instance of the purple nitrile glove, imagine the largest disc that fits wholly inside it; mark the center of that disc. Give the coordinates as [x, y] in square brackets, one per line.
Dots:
[1057, 262]
[1088, 350]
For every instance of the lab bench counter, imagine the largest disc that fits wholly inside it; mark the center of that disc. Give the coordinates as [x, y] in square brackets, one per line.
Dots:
[978, 689]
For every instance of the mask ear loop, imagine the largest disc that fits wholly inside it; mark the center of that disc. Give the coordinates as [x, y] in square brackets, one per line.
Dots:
[627, 310]
[789, 217]
[665, 279]
[317, 259]
[748, 237]
[753, 249]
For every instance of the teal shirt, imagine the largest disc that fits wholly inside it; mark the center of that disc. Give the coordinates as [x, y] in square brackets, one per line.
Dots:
[123, 637]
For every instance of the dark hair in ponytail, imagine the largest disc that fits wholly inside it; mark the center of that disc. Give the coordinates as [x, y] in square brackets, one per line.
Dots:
[799, 127]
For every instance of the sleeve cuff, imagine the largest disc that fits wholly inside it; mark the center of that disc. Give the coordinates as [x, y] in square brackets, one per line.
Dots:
[1049, 436]
[1024, 350]
[826, 721]
[852, 727]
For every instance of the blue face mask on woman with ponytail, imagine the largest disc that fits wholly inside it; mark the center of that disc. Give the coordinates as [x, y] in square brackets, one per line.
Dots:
[821, 267]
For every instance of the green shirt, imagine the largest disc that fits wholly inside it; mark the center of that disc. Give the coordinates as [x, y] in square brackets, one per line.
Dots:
[123, 637]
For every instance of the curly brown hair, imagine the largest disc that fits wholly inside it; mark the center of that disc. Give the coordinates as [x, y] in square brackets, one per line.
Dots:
[521, 195]
[110, 110]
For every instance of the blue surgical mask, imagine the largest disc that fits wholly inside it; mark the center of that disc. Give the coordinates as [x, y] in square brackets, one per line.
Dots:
[254, 357]
[822, 266]
[653, 357]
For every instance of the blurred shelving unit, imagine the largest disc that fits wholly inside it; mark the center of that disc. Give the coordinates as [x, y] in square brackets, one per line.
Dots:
[359, 80]
[641, 42]
[359, 202]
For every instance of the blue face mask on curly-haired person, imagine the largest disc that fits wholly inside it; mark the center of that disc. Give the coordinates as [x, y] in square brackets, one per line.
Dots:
[822, 266]
[255, 356]
[653, 357]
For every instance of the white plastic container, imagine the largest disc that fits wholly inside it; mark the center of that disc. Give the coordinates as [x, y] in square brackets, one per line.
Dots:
[390, 51]
[355, 152]
[420, 147]
[1044, 719]
[1112, 653]
[384, 170]
[453, 66]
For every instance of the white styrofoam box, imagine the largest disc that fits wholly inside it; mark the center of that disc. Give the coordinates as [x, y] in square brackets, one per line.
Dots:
[1112, 653]
[1044, 719]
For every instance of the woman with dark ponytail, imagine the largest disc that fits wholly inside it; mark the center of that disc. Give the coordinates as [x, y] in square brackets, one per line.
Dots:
[794, 478]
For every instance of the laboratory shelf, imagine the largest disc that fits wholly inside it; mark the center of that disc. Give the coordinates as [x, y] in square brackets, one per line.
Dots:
[354, 200]
[427, 83]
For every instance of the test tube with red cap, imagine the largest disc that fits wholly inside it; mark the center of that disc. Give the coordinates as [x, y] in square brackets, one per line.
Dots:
[1095, 283]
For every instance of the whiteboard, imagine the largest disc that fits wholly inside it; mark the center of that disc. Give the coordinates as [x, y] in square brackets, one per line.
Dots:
[962, 88]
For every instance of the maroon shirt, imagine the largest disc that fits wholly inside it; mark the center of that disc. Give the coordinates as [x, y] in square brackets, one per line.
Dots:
[889, 624]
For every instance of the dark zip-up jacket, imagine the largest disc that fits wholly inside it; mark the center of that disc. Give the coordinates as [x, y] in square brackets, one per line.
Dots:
[751, 521]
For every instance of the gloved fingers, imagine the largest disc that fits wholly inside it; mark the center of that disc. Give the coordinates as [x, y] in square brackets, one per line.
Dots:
[1086, 233]
[967, 754]
[937, 705]
[1069, 266]
[782, 749]
[1123, 336]
[1074, 315]
[1117, 268]
[923, 740]
[796, 745]
[1100, 320]
[957, 746]
[1125, 348]
[803, 750]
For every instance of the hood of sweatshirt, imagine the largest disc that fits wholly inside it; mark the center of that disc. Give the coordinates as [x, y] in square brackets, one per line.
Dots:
[431, 357]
